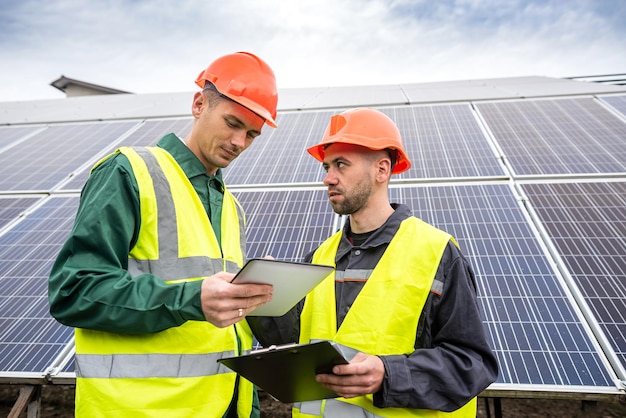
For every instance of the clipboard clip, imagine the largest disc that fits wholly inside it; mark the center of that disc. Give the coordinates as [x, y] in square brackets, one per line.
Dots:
[273, 347]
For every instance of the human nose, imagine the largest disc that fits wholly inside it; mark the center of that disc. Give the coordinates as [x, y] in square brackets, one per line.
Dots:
[239, 139]
[330, 178]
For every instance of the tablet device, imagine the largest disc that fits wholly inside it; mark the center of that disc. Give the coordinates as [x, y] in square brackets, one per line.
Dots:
[288, 372]
[291, 281]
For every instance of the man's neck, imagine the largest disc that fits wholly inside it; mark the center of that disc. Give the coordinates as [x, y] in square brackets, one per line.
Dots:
[370, 219]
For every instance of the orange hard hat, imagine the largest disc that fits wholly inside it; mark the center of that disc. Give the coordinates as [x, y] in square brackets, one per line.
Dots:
[365, 127]
[246, 79]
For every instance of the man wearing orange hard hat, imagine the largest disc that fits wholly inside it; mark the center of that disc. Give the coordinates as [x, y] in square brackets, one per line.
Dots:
[402, 302]
[144, 277]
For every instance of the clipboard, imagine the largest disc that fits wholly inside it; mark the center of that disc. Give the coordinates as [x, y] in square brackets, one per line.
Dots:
[291, 281]
[287, 372]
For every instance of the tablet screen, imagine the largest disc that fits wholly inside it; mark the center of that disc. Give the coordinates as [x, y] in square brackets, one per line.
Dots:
[291, 281]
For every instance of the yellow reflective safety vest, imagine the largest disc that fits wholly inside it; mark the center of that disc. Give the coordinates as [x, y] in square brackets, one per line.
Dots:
[384, 317]
[172, 373]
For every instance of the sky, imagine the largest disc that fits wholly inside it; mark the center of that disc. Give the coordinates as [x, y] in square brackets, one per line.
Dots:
[160, 46]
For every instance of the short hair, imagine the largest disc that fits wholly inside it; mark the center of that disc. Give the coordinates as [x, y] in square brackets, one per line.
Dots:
[213, 95]
[393, 156]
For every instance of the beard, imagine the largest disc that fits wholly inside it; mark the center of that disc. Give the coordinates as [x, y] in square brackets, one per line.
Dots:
[353, 201]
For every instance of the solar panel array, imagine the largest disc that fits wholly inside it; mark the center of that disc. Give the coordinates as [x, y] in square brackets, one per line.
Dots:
[533, 190]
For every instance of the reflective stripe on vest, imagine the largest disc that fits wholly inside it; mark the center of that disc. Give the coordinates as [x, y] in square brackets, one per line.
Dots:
[403, 277]
[151, 365]
[361, 274]
[169, 264]
[173, 372]
[337, 409]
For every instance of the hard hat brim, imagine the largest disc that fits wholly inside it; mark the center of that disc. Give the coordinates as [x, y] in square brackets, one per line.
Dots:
[402, 163]
[254, 107]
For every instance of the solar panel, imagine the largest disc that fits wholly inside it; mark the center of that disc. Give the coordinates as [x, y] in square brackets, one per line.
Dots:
[444, 142]
[30, 339]
[530, 265]
[147, 134]
[616, 102]
[279, 156]
[12, 207]
[50, 156]
[285, 224]
[565, 136]
[538, 336]
[586, 222]
[11, 135]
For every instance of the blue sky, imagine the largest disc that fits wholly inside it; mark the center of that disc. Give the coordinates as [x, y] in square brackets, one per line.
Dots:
[161, 45]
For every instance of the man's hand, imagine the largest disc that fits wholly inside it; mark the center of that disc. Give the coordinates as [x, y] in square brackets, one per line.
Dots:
[363, 375]
[225, 303]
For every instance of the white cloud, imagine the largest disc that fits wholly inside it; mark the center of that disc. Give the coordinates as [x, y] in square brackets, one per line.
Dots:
[160, 46]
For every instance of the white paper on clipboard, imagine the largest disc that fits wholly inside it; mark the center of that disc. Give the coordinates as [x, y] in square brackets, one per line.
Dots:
[291, 281]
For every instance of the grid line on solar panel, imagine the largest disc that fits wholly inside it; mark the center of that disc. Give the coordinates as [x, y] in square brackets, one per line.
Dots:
[30, 339]
[53, 154]
[534, 328]
[441, 141]
[11, 136]
[564, 136]
[281, 157]
[444, 141]
[616, 102]
[587, 224]
[148, 134]
[13, 207]
[285, 224]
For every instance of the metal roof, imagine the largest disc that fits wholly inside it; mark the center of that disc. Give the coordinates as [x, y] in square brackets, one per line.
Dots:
[152, 105]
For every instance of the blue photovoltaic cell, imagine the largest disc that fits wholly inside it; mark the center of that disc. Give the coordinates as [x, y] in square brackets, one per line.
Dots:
[587, 224]
[279, 155]
[443, 142]
[30, 339]
[13, 207]
[286, 224]
[148, 134]
[9, 135]
[565, 136]
[52, 155]
[616, 102]
[531, 323]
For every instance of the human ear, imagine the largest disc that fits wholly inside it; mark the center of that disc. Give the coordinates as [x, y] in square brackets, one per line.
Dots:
[383, 169]
[198, 102]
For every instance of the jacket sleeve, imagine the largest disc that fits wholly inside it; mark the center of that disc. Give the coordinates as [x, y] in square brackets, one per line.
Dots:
[453, 362]
[90, 286]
